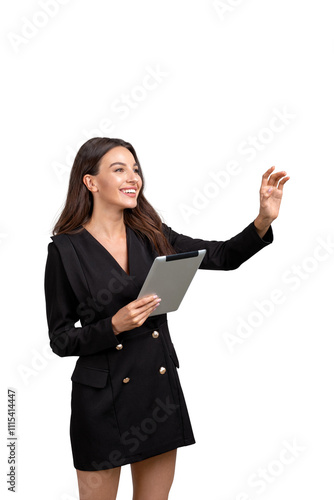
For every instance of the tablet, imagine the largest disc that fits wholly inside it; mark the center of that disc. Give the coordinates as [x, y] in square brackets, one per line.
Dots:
[170, 277]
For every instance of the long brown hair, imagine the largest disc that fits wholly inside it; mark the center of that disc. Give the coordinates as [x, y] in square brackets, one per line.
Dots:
[143, 219]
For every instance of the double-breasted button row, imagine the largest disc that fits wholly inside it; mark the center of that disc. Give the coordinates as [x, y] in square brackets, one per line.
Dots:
[162, 371]
[155, 335]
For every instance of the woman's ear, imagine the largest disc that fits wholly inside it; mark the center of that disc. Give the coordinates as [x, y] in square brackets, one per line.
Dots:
[89, 182]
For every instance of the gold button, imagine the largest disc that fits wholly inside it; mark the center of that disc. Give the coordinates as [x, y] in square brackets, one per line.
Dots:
[119, 347]
[155, 334]
[162, 370]
[126, 380]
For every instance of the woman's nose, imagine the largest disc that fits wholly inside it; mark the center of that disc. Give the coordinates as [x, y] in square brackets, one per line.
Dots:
[133, 177]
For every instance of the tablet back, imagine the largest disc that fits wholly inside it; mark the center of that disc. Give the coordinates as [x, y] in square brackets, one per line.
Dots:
[170, 277]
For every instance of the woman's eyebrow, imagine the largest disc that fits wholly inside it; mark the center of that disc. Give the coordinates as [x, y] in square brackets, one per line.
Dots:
[124, 164]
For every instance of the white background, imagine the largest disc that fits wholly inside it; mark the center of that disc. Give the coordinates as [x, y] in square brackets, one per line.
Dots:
[225, 72]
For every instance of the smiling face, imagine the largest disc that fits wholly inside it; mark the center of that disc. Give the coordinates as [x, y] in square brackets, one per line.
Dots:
[118, 182]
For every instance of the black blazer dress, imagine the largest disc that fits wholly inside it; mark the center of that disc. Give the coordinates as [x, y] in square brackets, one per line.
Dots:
[127, 403]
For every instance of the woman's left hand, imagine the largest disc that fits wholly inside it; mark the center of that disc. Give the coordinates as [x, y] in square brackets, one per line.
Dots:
[271, 192]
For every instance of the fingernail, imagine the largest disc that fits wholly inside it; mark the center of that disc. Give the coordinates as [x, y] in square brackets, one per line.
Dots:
[154, 296]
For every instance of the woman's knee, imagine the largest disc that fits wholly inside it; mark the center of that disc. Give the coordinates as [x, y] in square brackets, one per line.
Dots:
[153, 477]
[98, 484]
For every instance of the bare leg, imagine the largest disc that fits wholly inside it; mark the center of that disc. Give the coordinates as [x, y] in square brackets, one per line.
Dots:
[152, 478]
[98, 485]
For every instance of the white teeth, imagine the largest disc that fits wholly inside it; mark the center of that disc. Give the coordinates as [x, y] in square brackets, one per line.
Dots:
[128, 190]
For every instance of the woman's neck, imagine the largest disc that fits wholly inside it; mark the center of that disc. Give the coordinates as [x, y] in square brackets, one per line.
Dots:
[106, 225]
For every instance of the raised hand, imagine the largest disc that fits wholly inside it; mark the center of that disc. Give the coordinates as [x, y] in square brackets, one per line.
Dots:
[271, 192]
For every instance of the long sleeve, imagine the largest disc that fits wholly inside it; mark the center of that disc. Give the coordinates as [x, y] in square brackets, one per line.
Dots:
[61, 312]
[222, 255]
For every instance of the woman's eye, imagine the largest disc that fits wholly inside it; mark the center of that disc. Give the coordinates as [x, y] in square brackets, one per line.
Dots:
[136, 170]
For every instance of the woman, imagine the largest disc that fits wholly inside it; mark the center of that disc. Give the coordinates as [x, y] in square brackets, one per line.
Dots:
[127, 402]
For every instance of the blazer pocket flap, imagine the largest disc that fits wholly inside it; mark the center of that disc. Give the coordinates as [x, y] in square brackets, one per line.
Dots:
[173, 355]
[90, 376]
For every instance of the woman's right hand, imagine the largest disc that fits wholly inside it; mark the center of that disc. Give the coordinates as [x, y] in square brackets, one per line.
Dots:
[134, 314]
